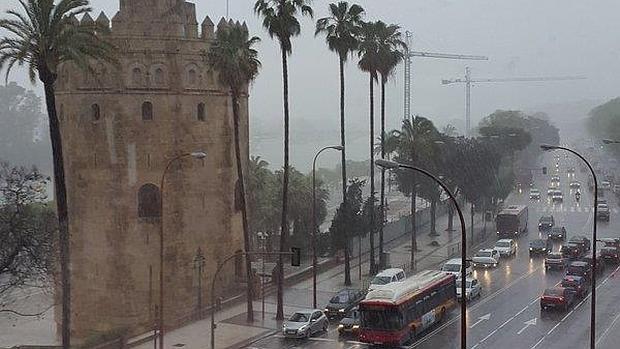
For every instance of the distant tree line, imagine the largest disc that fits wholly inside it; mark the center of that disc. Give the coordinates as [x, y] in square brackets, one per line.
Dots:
[604, 123]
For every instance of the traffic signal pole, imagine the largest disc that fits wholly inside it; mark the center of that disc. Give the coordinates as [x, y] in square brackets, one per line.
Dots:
[295, 259]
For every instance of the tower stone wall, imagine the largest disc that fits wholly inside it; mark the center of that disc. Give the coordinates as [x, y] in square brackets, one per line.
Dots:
[120, 126]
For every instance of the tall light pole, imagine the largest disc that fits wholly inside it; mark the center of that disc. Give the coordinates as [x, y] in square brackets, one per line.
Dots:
[195, 155]
[314, 227]
[391, 165]
[548, 147]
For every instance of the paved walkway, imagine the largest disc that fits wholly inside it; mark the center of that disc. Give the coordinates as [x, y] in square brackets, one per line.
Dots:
[234, 332]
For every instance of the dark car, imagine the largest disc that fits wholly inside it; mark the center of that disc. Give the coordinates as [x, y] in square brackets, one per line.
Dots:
[540, 247]
[557, 298]
[343, 301]
[579, 268]
[555, 260]
[600, 262]
[558, 233]
[610, 254]
[545, 223]
[577, 283]
[614, 242]
[571, 251]
[350, 324]
[581, 240]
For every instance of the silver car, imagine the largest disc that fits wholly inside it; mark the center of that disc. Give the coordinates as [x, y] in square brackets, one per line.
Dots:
[473, 289]
[305, 323]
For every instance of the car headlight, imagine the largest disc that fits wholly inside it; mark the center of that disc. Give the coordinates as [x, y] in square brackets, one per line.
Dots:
[341, 310]
[340, 326]
[355, 327]
[303, 328]
[544, 249]
[531, 249]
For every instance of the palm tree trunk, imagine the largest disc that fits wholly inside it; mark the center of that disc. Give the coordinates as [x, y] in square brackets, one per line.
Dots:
[62, 212]
[433, 217]
[347, 255]
[414, 242]
[284, 221]
[381, 258]
[450, 217]
[372, 183]
[244, 215]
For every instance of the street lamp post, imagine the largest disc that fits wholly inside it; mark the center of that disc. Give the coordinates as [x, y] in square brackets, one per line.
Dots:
[195, 155]
[314, 227]
[548, 147]
[391, 165]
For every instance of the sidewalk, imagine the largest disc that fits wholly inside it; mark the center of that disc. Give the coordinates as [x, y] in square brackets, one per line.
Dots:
[234, 332]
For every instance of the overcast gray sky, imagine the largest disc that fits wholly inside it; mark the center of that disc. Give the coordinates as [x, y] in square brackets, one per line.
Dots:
[521, 37]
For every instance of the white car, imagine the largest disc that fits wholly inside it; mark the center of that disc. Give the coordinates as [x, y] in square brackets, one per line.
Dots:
[506, 247]
[473, 289]
[606, 185]
[534, 194]
[486, 258]
[387, 276]
[453, 266]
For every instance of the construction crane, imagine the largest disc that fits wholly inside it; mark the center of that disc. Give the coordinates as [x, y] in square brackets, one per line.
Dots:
[408, 61]
[468, 81]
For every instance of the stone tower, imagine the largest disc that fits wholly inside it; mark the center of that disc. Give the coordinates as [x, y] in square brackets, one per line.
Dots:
[120, 127]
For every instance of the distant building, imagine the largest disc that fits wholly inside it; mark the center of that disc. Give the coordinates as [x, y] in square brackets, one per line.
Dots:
[120, 126]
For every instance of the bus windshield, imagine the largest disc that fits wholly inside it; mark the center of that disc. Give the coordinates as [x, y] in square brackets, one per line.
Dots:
[381, 319]
[507, 222]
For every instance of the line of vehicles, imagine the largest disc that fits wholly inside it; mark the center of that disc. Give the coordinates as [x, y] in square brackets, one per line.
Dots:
[395, 309]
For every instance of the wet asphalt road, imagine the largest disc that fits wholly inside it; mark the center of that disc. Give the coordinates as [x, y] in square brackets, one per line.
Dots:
[508, 313]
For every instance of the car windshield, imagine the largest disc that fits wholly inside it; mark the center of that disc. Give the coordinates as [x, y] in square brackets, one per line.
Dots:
[556, 230]
[553, 292]
[467, 284]
[537, 243]
[484, 254]
[451, 267]
[502, 244]
[554, 256]
[381, 280]
[299, 317]
[546, 219]
[341, 298]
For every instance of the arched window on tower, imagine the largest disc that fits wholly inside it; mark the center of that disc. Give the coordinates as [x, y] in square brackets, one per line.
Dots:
[200, 112]
[148, 201]
[192, 77]
[159, 77]
[136, 76]
[147, 111]
[95, 112]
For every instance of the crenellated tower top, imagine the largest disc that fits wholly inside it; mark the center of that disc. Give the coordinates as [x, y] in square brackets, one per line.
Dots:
[162, 18]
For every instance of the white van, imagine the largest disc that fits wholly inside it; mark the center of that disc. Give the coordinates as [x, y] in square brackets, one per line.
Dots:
[453, 267]
[387, 276]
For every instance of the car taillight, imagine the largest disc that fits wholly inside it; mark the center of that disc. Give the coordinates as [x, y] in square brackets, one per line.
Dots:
[561, 299]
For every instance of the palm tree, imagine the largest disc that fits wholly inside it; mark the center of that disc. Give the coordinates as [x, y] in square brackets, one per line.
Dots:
[341, 31]
[232, 55]
[280, 21]
[390, 48]
[413, 144]
[369, 62]
[42, 38]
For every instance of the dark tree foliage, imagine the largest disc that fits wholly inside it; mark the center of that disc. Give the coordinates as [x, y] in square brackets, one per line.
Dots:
[604, 122]
[348, 216]
[27, 227]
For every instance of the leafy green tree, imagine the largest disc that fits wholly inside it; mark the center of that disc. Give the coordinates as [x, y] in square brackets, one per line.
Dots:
[413, 144]
[280, 20]
[390, 48]
[341, 29]
[604, 122]
[233, 56]
[348, 217]
[262, 197]
[43, 37]
[26, 231]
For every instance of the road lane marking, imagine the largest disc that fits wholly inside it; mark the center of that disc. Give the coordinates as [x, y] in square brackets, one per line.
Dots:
[607, 330]
[481, 319]
[473, 308]
[527, 324]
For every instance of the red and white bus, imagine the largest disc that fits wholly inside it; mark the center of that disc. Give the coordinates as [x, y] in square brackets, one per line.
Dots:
[395, 313]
